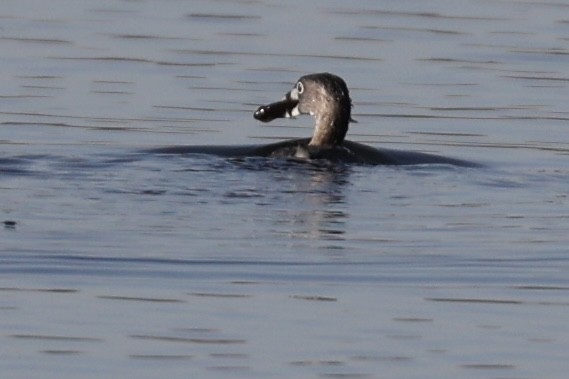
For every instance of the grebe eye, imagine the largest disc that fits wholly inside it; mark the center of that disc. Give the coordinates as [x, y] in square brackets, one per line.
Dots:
[299, 88]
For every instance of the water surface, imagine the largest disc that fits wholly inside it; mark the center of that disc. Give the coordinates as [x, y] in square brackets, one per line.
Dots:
[119, 263]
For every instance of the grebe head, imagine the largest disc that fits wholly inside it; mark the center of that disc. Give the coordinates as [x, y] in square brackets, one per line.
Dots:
[324, 96]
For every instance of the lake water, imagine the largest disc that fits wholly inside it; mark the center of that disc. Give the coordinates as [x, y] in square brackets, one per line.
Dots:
[124, 264]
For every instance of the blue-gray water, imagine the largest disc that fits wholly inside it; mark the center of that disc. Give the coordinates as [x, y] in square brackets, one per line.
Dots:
[119, 263]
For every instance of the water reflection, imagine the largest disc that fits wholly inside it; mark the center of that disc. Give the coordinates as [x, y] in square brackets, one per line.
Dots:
[311, 196]
[316, 224]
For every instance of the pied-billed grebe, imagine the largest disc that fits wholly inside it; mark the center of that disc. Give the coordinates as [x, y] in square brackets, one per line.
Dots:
[325, 97]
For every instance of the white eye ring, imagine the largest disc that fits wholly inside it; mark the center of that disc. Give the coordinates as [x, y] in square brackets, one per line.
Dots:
[299, 88]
